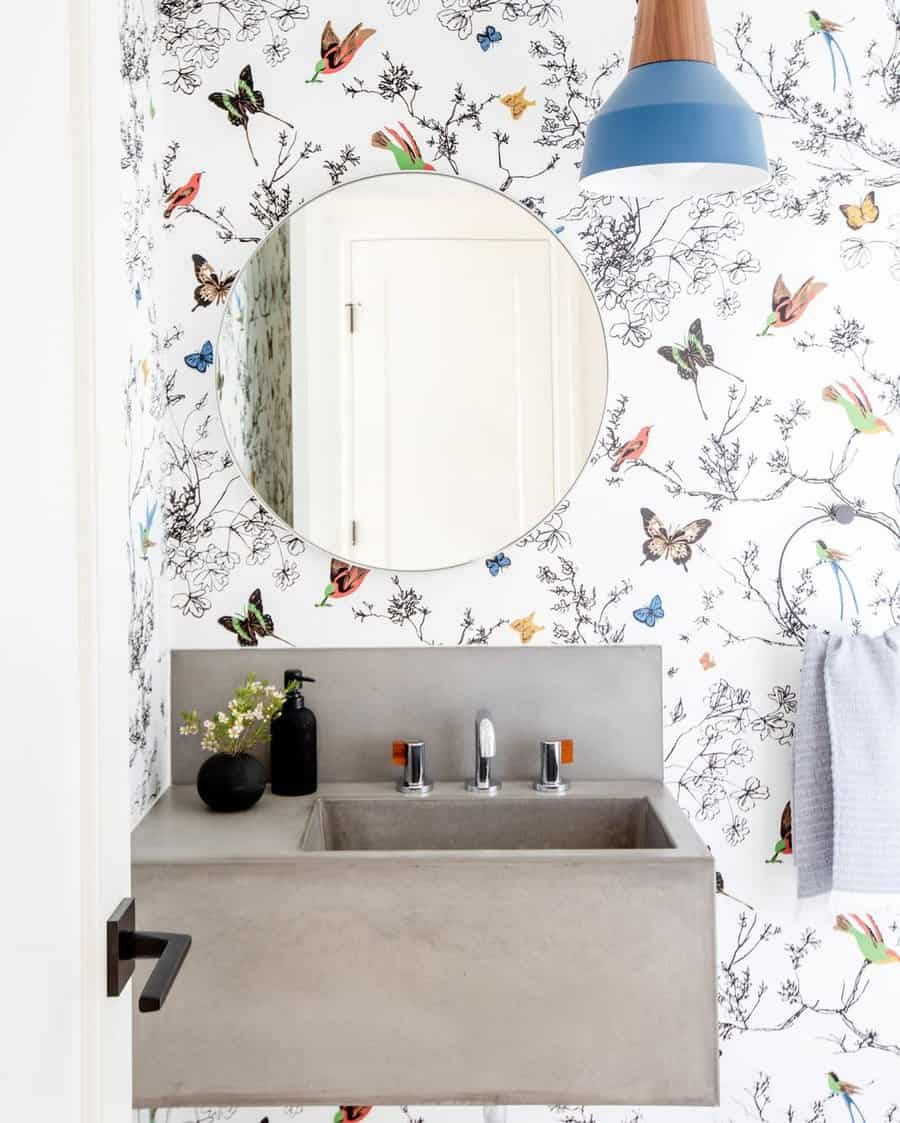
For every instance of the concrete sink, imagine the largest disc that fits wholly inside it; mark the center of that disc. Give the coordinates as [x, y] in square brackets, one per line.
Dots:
[359, 946]
[467, 823]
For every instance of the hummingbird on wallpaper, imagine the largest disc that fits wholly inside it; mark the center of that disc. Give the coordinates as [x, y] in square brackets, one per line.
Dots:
[868, 938]
[787, 309]
[344, 580]
[144, 528]
[183, 196]
[785, 843]
[720, 889]
[338, 53]
[827, 29]
[405, 150]
[857, 406]
[633, 449]
[846, 1091]
[826, 554]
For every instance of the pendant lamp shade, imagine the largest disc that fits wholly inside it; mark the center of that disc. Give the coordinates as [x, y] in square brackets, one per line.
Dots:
[675, 125]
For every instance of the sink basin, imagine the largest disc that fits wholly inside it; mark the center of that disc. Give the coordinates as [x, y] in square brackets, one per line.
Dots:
[471, 823]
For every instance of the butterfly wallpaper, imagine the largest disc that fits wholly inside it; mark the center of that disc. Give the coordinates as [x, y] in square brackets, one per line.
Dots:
[754, 402]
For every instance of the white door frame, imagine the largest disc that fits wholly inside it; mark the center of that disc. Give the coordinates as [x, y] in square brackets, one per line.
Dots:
[63, 667]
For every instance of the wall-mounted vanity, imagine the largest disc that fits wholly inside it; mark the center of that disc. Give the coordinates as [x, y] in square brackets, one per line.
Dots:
[362, 946]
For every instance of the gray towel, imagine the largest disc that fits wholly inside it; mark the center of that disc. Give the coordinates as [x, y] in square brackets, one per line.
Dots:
[846, 800]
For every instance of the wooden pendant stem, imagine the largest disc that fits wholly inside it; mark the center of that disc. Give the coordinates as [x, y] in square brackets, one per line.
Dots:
[672, 29]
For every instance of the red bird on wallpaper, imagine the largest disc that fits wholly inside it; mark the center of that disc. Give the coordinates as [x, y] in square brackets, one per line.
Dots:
[345, 579]
[337, 53]
[787, 308]
[633, 449]
[183, 196]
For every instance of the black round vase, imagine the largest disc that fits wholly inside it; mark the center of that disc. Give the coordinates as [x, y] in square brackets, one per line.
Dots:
[229, 782]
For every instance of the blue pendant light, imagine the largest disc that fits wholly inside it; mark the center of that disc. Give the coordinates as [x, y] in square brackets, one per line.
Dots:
[675, 125]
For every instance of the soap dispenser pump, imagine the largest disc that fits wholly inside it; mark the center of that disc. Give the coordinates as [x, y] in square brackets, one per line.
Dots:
[294, 763]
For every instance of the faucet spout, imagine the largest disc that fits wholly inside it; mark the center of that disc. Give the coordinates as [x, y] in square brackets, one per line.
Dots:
[485, 750]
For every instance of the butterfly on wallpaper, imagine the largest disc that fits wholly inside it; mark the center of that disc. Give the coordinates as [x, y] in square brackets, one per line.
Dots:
[516, 103]
[692, 356]
[651, 613]
[351, 1114]
[498, 563]
[866, 212]
[488, 37]
[526, 627]
[200, 360]
[254, 625]
[677, 545]
[243, 103]
[706, 661]
[210, 289]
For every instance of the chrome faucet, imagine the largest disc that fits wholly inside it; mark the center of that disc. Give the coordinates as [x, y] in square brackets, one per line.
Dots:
[485, 751]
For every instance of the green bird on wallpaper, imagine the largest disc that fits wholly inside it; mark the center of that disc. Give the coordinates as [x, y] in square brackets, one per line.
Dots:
[857, 406]
[145, 527]
[785, 844]
[846, 1091]
[868, 938]
[828, 555]
[827, 28]
[350, 1114]
[404, 149]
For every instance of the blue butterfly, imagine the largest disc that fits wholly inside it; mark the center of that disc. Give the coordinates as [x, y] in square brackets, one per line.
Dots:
[501, 561]
[488, 37]
[650, 614]
[200, 360]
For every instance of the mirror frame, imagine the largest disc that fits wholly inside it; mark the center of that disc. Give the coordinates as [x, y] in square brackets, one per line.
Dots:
[527, 531]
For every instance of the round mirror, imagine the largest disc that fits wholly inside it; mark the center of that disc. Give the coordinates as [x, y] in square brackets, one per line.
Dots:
[411, 371]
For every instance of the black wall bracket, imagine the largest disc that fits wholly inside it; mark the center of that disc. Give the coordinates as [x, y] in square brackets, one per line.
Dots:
[124, 945]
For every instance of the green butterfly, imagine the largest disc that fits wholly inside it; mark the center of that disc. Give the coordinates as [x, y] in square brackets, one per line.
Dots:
[691, 357]
[254, 625]
[243, 103]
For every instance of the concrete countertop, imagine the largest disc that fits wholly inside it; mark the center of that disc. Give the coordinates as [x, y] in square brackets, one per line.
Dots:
[179, 828]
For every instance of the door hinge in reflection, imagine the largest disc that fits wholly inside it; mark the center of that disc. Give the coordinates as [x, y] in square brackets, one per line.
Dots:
[351, 317]
[353, 532]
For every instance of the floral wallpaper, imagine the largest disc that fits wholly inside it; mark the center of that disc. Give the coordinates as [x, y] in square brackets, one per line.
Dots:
[754, 392]
[255, 372]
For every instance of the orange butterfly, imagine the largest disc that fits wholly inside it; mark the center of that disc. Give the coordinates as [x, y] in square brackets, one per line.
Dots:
[706, 661]
[517, 103]
[866, 212]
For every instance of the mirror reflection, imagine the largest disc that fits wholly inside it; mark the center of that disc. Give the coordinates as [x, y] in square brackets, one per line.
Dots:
[411, 371]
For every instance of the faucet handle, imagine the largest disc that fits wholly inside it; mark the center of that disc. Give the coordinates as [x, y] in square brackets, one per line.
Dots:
[411, 755]
[553, 755]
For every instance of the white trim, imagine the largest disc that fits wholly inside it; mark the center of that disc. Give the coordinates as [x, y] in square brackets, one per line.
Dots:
[64, 824]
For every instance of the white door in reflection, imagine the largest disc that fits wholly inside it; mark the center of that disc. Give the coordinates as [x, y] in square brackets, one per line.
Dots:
[452, 414]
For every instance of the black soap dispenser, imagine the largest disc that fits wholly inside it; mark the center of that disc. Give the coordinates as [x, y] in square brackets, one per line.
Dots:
[293, 745]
